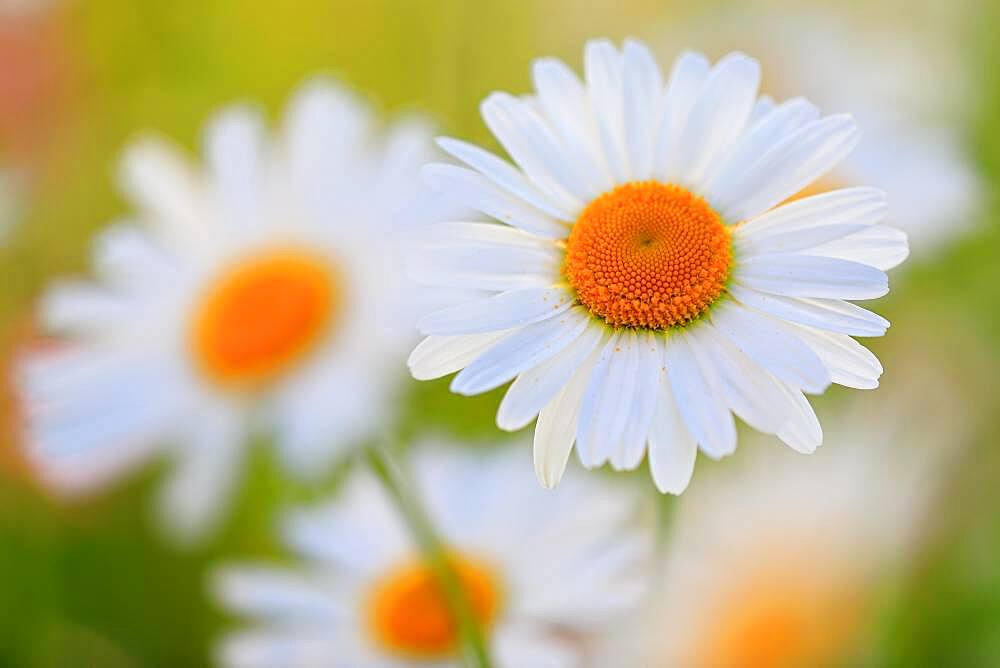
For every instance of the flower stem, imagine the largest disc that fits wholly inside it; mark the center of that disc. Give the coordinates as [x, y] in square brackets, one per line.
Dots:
[394, 479]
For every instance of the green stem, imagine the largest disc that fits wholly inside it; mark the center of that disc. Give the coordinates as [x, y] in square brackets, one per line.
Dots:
[393, 478]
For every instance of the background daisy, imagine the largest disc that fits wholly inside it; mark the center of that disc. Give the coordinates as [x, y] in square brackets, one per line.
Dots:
[649, 283]
[544, 573]
[260, 291]
[777, 562]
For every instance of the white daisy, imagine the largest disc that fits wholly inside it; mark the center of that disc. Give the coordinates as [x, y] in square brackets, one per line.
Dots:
[542, 572]
[265, 286]
[780, 563]
[649, 281]
[907, 103]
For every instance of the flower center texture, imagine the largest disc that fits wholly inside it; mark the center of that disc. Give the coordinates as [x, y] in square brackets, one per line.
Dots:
[263, 316]
[409, 613]
[649, 255]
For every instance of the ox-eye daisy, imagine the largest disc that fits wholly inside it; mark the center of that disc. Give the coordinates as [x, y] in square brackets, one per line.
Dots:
[649, 280]
[263, 286]
[776, 564]
[543, 575]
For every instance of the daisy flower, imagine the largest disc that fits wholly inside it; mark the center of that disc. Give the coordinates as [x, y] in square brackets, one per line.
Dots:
[649, 281]
[260, 291]
[913, 147]
[778, 563]
[543, 573]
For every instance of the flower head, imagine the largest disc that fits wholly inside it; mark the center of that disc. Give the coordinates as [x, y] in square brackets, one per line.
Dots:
[260, 286]
[364, 595]
[650, 279]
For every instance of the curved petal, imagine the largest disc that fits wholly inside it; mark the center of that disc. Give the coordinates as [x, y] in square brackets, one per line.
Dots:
[699, 400]
[519, 351]
[764, 341]
[503, 311]
[811, 276]
[438, 356]
[535, 388]
[672, 449]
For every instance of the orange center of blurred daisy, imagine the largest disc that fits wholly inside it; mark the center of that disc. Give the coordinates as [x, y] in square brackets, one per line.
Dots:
[409, 612]
[264, 315]
[783, 619]
[648, 255]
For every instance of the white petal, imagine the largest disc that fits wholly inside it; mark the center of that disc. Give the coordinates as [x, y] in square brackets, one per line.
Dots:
[325, 129]
[438, 356]
[530, 142]
[718, 117]
[526, 644]
[749, 391]
[197, 492]
[161, 183]
[686, 78]
[764, 341]
[82, 308]
[605, 87]
[647, 382]
[519, 351]
[503, 174]
[479, 236]
[850, 363]
[476, 191]
[564, 102]
[764, 106]
[830, 314]
[643, 89]
[535, 388]
[847, 206]
[270, 592]
[762, 135]
[608, 400]
[811, 276]
[128, 257]
[502, 311]
[802, 432]
[699, 399]
[788, 167]
[234, 156]
[877, 246]
[672, 449]
[484, 267]
[555, 430]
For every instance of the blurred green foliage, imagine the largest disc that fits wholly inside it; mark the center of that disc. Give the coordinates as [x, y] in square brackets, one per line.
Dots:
[94, 584]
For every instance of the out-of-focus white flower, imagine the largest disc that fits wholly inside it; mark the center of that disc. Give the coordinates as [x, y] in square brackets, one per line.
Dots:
[265, 287]
[649, 281]
[778, 562]
[906, 102]
[544, 572]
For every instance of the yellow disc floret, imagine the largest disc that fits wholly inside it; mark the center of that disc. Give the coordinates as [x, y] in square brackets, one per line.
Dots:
[648, 255]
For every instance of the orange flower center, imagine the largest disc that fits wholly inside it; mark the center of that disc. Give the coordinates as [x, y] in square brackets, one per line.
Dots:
[783, 619]
[264, 315]
[648, 255]
[409, 613]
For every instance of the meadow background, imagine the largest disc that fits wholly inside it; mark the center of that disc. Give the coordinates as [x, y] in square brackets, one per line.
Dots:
[94, 584]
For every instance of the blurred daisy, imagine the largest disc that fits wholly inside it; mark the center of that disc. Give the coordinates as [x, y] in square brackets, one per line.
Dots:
[906, 103]
[264, 286]
[544, 574]
[778, 563]
[649, 281]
